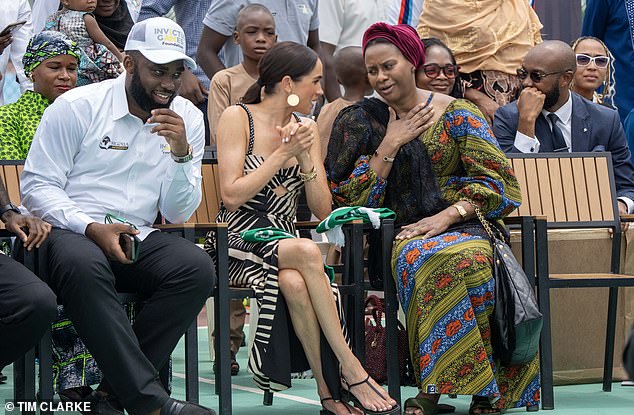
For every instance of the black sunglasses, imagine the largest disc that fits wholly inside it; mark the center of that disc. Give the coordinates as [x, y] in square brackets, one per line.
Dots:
[432, 70]
[536, 76]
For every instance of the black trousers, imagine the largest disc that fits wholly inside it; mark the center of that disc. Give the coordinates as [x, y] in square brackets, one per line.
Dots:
[27, 308]
[173, 275]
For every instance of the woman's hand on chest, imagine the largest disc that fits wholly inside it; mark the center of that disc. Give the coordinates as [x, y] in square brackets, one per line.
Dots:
[401, 131]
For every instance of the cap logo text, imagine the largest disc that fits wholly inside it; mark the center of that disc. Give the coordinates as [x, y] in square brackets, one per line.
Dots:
[169, 36]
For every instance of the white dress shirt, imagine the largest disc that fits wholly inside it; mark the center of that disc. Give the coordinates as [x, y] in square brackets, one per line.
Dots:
[91, 157]
[16, 11]
[527, 144]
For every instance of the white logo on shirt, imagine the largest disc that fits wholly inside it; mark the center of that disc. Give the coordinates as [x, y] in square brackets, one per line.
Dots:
[106, 143]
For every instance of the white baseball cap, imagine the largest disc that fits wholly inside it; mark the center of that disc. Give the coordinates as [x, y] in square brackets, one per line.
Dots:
[160, 40]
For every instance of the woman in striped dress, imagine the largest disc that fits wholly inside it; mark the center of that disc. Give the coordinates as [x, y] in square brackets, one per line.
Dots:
[266, 156]
[432, 159]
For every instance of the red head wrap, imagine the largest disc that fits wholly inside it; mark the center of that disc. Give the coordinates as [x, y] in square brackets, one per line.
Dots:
[403, 36]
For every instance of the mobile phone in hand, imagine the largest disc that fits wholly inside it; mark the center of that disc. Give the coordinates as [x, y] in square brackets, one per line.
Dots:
[12, 27]
[130, 246]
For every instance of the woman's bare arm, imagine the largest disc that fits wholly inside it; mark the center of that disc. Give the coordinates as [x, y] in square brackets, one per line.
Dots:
[317, 192]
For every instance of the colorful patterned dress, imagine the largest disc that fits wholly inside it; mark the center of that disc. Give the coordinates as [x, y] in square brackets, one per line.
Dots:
[445, 283]
[97, 62]
[276, 351]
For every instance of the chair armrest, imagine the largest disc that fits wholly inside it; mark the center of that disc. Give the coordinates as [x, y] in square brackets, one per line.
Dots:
[627, 218]
[514, 220]
[307, 224]
[517, 220]
[176, 227]
[5, 233]
[312, 224]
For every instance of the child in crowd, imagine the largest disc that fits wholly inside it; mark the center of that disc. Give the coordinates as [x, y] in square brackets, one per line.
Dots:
[255, 33]
[351, 74]
[100, 59]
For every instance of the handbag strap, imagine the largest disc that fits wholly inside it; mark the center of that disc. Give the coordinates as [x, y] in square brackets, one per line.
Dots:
[377, 310]
[485, 223]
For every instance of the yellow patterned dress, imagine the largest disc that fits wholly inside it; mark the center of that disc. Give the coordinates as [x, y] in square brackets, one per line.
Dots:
[445, 283]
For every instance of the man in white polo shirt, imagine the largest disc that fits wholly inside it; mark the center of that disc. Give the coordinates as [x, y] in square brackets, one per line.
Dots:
[121, 151]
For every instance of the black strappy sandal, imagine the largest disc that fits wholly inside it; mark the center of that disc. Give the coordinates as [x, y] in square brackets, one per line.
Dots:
[325, 411]
[347, 395]
[479, 404]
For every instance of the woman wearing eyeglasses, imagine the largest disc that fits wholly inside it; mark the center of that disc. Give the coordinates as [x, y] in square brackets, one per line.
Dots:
[593, 79]
[440, 70]
[432, 159]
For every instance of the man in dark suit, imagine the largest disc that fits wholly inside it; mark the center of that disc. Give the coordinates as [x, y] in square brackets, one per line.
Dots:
[548, 117]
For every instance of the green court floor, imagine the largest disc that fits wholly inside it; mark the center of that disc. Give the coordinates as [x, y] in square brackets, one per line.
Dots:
[302, 397]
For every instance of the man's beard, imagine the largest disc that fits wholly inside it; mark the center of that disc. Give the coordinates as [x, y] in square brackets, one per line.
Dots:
[552, 97]
[142, 98]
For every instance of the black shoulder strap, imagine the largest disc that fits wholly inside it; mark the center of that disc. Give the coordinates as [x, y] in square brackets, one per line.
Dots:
[251, 129]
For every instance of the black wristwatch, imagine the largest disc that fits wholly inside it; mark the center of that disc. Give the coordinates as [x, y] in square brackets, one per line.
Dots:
[9, 207]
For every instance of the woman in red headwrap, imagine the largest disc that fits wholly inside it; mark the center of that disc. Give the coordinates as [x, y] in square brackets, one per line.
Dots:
[433, 160]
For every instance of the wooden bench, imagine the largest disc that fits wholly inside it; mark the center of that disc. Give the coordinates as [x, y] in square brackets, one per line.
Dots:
[571, 191]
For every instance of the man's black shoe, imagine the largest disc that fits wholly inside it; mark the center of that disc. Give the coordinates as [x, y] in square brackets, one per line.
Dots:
[103, 404]
[174, 407]
[3, 378]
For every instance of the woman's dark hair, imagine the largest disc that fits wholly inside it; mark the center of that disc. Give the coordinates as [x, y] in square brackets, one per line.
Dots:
[457, 91]
[283, 59]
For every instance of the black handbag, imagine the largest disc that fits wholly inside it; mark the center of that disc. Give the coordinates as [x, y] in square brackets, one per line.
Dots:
[516, 322]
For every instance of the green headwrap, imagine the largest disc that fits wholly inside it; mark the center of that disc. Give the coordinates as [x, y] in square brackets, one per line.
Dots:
[46, 45]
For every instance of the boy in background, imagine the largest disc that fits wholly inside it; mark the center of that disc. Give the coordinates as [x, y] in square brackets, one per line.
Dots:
[352, 76]
[255, 33]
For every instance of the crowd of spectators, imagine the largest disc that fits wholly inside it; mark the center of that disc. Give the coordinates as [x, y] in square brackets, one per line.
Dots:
[409, 105]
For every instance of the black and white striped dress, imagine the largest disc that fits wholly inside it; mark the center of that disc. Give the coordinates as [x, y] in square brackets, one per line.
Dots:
[276, 350]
